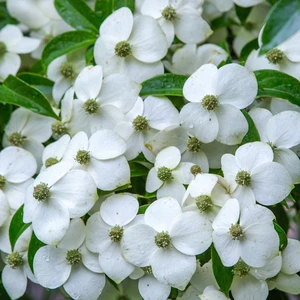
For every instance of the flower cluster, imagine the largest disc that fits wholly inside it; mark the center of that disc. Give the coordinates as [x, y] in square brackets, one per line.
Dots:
[120, 178]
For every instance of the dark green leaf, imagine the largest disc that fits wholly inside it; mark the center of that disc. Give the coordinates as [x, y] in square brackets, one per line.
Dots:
[282, 236]
[17, 92]
[173, 294]
[5, 112]
[252, 135]
[143, 208]
[5, 17]
[164, 85]
[222, 21]
[216, 171]
[204, 257]
[282, 22]
[78, 14]
[276, 84]
[43, 84]
[38, 68]
[103, 9]
[137, 169]
[34, 245]
[277, 295]
[17, 226]
[242, 12]
[65, 43]
[128, 3]
[281, 216]
[89, 55]
[119, 189]
[252, 45]
[223, 275]
[178, 102]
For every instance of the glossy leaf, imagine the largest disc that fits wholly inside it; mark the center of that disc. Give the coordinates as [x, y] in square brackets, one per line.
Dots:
[128, 3]
[137, 170]
[34, 245]
[223, 275]
[252, 45]
[17, 226]
[276, 84]
[39, 82]
[282, 22]
[143, 208]
[282, 236]
[16, 91]
[78, 14]
[65, 43]
[252, 135]
[281, 216]
[5, 112]
[164, 85]
[103, 9]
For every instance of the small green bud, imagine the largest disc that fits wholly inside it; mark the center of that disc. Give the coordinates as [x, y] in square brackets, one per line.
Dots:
[73, 257]
[51, 161]
[116, 233]
[195, 169]
[2, 181]
[140, 123]
[14, 260]
[147, 270]
[243, 178]
[164, 174]
[41, 192]
[58, 128]
[275, 56]
[203, 203]
[91, 106]
[236, 231]
[210, 102]
[17, 139]
[67, 70]
[83, 157]
[241, 269]
[123, 49]
[162, 239]
[169, 13]
[193, 145]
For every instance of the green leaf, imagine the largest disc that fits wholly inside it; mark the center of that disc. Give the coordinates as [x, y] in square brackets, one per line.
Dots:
[5, 112]
[5, 17]
[34, 245]
[17, 226]
[17, 92]
[143, 208]
[252, 45]
[65, 43]
[242, 12]
[137, 170]
[282, 236]
[164, 85]
[252, 135]
[281, 216]
[43, 84]
[103, 9]
[38, 68]
[89, 56]
[222, 21]
[204, 257]
[282, 22]
[223, 275]
[276, 84]
[128, 3]
[78, 14]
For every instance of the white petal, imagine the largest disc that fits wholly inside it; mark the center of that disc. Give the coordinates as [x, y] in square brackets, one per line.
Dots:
[235, 85]
[25, 45]
[245, 196]
[153, 8]
[152, 182]
[9, 64]
[291, 265]
[191, 233]
[5, 209]
[10, 35]
[51, 267]
[84, 284]
[106, 144]
[171, 188]
[202, 185]
[169, 158]
[56, 149]
[137, 244]
[230, 169]
[172, 267]
[150, 288]
[114, 265]
[67, 105]
[53, 69]
[288, 283]
[88, 83]
[161, 213]
[90, 259]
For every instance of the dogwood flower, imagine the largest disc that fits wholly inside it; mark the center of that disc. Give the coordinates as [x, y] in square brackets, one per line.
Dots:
[247, 233]
[169, 174]
[132, 46]
[252, 175]
[167, 242]
[12, 43]
[216, 99]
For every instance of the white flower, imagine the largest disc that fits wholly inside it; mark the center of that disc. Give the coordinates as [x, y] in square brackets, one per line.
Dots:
[57, 195]
[133, 46]
[168, 242]
[99, 104]
[101, 156]
[17, 166]
[143, 122]
[105, 231]
[180, 18]
[216, 98]
[252, 175]
[211, 293]
[246, 233]
[80, 273]
[168, 174]
[12, 43]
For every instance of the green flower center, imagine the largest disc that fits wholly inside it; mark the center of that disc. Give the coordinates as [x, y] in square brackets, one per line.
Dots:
[2, 49]
[2, 181]
[91, 106]
[236, 231]
[164, 173]
[194, 145]
[73, 257]
[169, 13]
[116, 233]
[241, 269]
[162, 239]
[67, 70]
[203, 203]
[275, 56]
[147, 270]
[14, 260]
[83, 157]
[140, 123]
[195, 169]
[243, 178]
[17, 139]
[51, 161]
[123, 49]
[210, 102]
[59, 128]
[41, 192]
